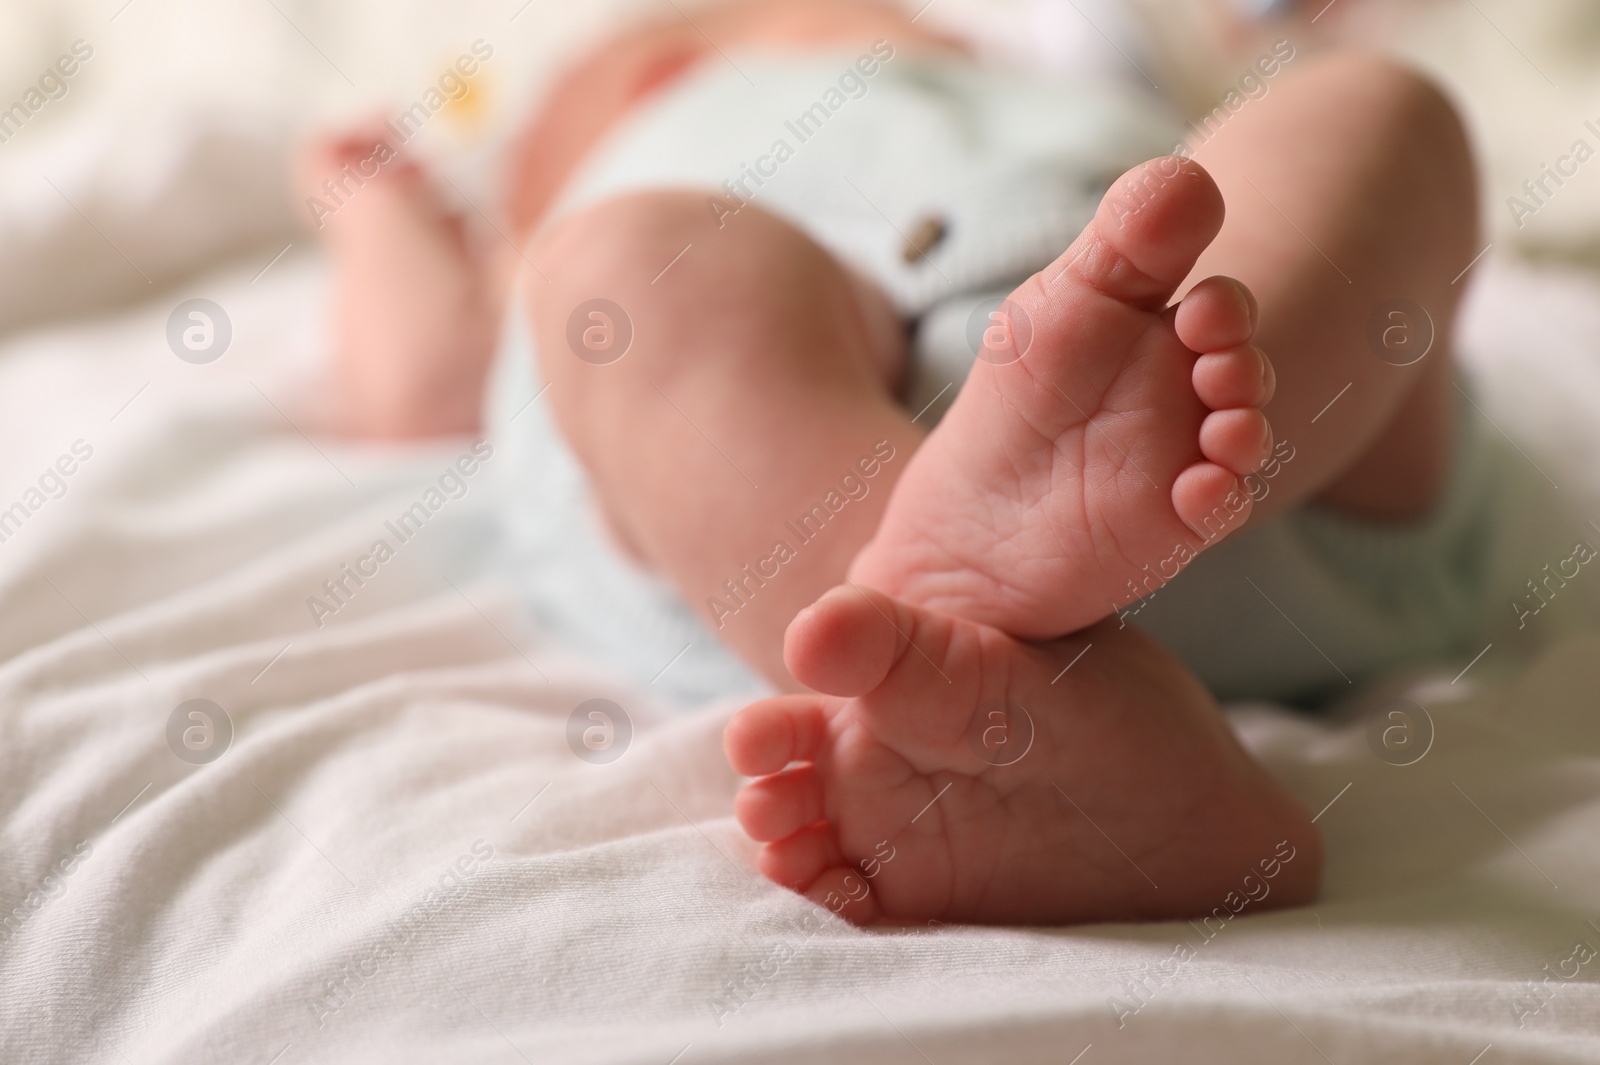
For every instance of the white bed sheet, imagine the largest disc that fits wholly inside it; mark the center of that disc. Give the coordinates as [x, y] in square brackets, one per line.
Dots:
[209, 907]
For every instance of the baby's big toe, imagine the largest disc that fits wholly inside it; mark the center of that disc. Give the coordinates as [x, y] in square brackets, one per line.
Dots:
[1148, 231]
[844, 643]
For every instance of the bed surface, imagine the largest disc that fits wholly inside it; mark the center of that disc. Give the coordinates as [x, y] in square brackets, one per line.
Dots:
[398, 856]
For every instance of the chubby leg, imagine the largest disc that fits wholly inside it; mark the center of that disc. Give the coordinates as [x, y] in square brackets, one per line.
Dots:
[883, 798]
[1060, 473]
[1070, 461]
[713, 412]
[756, 395]
[417, 307]
[961, 763]
[745, 443]
[415, 314]
[1349, 185]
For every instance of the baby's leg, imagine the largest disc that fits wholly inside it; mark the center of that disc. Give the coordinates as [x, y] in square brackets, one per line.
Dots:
[972, 775]
[1055, 482]
[749, 434]
[1350, 185]
[906, 776]
[415, 314]
[755, 356]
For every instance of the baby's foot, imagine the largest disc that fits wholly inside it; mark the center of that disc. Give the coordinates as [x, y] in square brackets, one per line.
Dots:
[414, 326]
[1077, 464]
[953, 772]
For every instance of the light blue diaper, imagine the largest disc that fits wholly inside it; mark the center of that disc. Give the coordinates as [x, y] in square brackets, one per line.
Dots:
[1009, 171]
[1308, 604]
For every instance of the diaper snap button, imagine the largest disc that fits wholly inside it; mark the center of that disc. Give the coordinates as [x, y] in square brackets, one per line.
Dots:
[926, 235]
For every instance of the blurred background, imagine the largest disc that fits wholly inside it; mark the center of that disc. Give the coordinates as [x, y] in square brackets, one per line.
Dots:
[168, 151]
[146, 149]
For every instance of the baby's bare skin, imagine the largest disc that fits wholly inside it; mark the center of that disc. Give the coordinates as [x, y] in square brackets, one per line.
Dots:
[414, 322]
[1012, 527]
[1120, 435]
[949, 771]
[767, 346]
[418, 304]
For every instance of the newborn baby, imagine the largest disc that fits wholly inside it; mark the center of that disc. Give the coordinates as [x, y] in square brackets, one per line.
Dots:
[996, 615]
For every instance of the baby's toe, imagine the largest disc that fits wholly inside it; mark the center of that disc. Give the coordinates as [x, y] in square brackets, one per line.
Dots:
[1201, 496]
[796, 862]
[766, 736]
[1148, 231]
[1217, 313]
[777, 806]
[1237, 440]
[845, 892]
[1239, 377]
[845, 642]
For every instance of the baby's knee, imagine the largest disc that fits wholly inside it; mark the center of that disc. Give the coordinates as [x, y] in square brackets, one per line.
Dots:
[610, 241]
[1413, 140]
[1401, 103]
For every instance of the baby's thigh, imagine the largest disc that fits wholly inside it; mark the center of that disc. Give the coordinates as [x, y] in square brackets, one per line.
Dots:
[699, 290]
